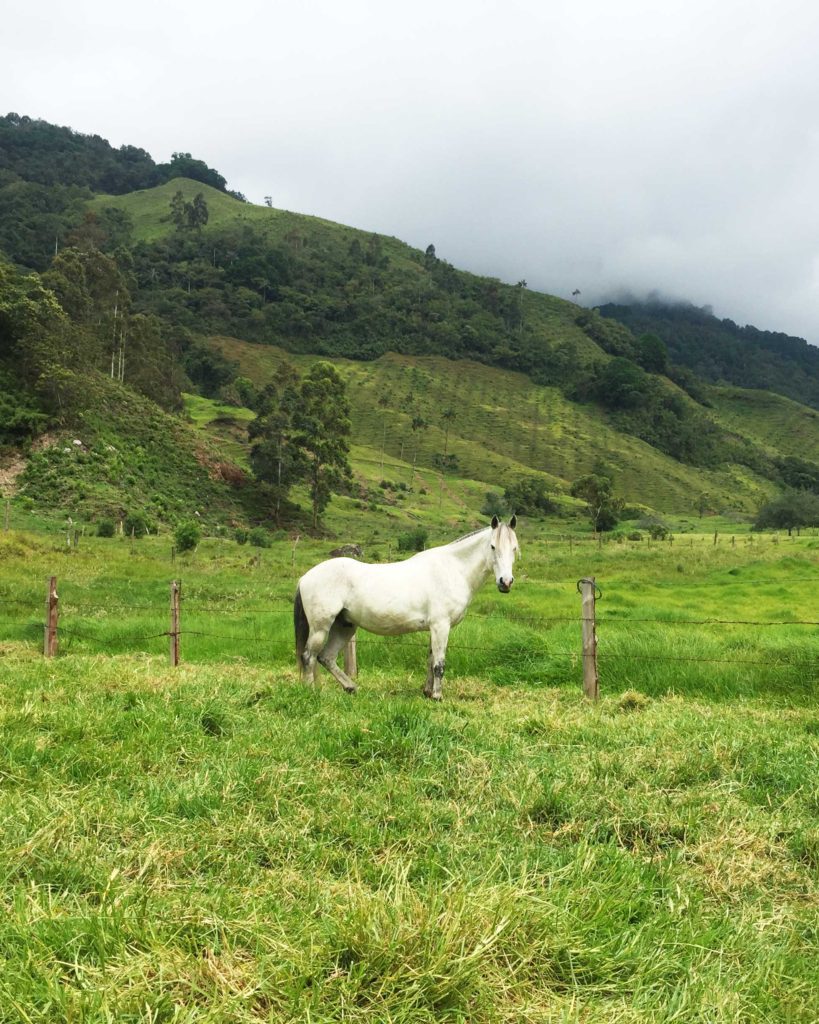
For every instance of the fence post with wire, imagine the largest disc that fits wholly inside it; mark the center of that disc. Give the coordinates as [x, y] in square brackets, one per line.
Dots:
[173, 632]
[587, 588]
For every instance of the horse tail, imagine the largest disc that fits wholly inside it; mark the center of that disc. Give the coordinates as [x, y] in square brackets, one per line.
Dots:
[301, 628]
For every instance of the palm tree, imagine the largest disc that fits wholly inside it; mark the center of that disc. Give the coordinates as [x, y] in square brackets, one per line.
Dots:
[418, 423]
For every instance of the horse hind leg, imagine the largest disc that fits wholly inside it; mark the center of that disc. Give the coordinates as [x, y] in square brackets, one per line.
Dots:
[438, 638]
[341, 632]
[316, 642]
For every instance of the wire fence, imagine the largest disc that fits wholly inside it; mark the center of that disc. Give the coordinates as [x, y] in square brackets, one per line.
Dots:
[795, 656]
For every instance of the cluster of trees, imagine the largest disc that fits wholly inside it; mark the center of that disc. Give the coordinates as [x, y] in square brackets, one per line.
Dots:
[343, 297]
[723, 352]
[47, 154]
[190, 216]
[301, 434]
[75, 320]
[790, 512]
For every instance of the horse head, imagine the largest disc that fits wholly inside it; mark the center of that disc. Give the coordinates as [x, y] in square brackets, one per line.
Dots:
[504, 548]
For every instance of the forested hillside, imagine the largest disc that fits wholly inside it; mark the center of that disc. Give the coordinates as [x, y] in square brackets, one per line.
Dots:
[725, 353]
[115, 268]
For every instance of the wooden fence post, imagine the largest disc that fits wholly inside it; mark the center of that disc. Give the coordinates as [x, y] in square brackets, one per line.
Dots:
[591, 681]
[50, 638]
[295, 544]
[351, 659]
[173, 633]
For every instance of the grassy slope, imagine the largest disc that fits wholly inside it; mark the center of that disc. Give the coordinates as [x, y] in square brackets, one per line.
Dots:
[505, 426]
[778, 424]
[132, 456]
[219, 843]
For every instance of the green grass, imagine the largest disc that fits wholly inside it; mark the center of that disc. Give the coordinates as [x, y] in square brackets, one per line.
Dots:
[219, 843]
[778, 424]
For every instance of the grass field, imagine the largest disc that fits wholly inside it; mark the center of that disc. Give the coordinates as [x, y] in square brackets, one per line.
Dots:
[219, 843]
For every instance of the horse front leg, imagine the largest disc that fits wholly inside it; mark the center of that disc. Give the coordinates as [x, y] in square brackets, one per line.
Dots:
[438, 638]
[427, 691]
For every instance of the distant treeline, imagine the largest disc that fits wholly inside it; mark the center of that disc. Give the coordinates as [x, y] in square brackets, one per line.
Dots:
[48, 174]
[722, 352]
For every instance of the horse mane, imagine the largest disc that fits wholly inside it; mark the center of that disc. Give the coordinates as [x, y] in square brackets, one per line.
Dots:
[467, 536]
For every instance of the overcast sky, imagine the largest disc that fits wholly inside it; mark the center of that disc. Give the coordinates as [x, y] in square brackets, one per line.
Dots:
[586, 144]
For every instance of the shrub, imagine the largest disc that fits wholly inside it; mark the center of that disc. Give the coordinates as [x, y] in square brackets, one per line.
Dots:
[493, 505]
[413, 540]
[259, 537]
[187, 536]
[657, 529]
[106, 528]
[528, 497]
[241, 535]
[136, 524]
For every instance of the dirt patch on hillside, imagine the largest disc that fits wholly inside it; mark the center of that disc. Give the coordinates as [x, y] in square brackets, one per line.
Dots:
[12, 466]
[10, 469]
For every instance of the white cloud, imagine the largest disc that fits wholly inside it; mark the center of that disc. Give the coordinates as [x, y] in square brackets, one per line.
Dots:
[576, 144]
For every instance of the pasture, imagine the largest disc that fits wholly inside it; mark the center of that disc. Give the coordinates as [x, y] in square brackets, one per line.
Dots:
[217, 842]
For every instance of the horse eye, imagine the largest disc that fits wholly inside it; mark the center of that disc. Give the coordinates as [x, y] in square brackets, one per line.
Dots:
[492, 546]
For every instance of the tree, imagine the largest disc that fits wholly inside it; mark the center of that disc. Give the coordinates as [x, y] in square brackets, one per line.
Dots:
[183, 165]
[602, 508]
[652, 353]
[322, 422]
[178, 214]
[528, 497]
[417, 424]
[197, 212]
[792, 511]
[621, 384]
[275, 457]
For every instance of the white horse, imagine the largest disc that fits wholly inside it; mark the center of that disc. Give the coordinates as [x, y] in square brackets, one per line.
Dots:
[430, 591]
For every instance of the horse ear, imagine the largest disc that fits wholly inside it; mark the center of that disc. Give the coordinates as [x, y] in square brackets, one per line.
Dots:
[495, 522]
[513, 522]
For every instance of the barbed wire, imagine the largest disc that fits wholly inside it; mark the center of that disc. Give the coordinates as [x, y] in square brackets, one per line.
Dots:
[372, 641]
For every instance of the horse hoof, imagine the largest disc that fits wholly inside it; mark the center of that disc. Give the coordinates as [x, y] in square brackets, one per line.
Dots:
[351, 689]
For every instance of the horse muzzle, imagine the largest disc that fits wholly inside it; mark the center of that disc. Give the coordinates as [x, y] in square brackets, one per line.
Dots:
[505, 586]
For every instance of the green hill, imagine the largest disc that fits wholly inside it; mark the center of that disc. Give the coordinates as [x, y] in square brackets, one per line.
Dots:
[779, 424]
[458, 383]
[387, 291]
[504, 427]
